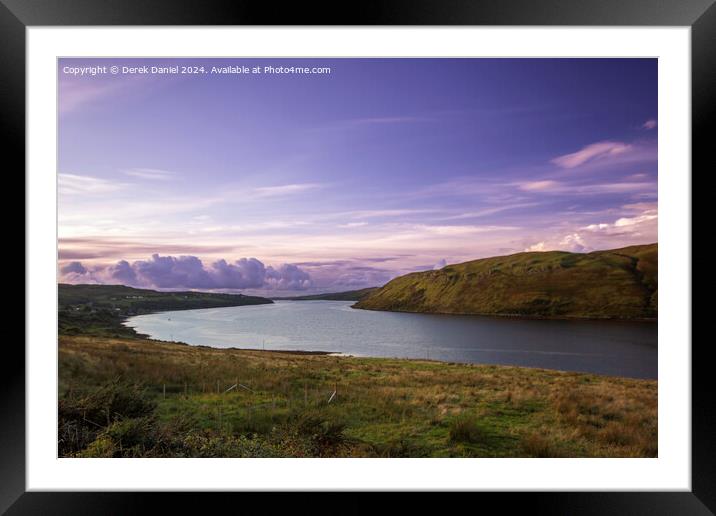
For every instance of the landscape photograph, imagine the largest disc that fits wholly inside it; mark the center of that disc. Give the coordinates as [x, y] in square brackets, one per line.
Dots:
[357, 257]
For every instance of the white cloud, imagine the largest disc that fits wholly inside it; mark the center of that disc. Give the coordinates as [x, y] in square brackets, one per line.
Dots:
[573, 242]
[650, 124]
[367, 214]
[625, 223]
[442, 263]
[592, 152]
[459, 230]
[281, 190]
[537, 186]
[72, 184]
[539, 247]
[559, 187]
[150, 173]
[490, 211]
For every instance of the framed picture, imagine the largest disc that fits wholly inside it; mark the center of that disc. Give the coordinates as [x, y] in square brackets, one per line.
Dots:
[414, 249]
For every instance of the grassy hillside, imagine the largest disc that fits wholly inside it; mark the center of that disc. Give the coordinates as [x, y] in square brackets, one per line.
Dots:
[142, 398]
[620, 283]
[100, 309]
[349, 295]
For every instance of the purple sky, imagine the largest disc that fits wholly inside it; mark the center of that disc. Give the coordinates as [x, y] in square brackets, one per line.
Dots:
[325, 182]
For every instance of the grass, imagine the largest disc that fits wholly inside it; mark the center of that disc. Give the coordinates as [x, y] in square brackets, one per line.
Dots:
[126, 397]
[618, 284]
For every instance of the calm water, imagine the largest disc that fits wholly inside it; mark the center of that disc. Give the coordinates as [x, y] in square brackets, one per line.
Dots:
[606, 347]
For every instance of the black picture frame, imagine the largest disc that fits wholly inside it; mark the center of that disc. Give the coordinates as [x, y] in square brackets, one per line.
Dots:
[17, 15]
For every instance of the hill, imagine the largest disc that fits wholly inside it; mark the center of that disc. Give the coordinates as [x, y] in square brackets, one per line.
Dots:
[100, 309]
[619, 283]
[349, 295]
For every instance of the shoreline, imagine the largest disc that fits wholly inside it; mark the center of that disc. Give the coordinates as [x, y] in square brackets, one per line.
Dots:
[350, 357]
[343, 355]
[309, 352]
[520, 316]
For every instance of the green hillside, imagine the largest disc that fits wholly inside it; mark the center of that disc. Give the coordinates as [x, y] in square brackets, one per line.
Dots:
[619, 283]
[100, 309]
[349, 295]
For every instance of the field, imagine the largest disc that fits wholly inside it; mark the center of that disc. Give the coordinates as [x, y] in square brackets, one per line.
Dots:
[128, 397]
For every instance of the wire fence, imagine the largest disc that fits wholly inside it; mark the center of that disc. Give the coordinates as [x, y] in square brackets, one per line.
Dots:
[231, 403]
[309, 392]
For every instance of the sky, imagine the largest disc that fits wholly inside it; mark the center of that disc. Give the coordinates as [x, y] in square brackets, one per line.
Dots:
[282, 182]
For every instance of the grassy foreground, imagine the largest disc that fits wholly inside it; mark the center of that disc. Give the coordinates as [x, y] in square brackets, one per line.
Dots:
[124, 397]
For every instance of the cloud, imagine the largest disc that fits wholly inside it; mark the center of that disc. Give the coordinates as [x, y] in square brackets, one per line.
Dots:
[123, 273]
[153, 174]
[73, 267]
[362, 214]
[281, 190]
[638, 226]
[361, 277]
[560, 187]
[170, 272]
[287, 277]
[72, 184]
[537, 186]
[244, 273]
[644, 221]
[459, 230]
[538, 247]
[382, 259]
[74, 94]
[650, 124]
[109, 248]
[331, 263]
[592, 152]
[78, 92]
[491, 211]
[573, 242]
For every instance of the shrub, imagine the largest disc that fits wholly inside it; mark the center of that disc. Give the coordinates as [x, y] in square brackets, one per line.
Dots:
[465, 429]
[397, 448]
[535, 445]
[311, 434]
[195, 445]
[81, 418]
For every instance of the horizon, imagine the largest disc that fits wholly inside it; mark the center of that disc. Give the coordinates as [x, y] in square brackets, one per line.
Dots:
[300, 293]
[282, 185]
